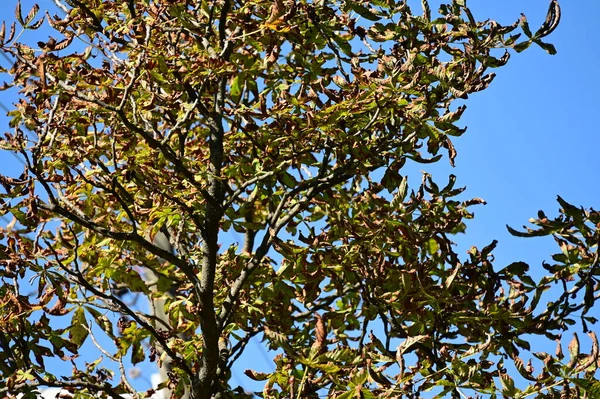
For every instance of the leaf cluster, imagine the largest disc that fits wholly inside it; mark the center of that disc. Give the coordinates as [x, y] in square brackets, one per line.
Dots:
[286, 123]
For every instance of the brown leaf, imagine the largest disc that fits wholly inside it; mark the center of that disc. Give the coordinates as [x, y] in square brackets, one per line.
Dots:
[59, 308]
[256, 376]
[320, 332]
[451, 150]
[276, 10]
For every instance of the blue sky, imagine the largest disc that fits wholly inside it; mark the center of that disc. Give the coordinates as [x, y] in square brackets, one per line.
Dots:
[530, 137]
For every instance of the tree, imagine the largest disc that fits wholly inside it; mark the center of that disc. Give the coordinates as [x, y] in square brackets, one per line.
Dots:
[288, 123]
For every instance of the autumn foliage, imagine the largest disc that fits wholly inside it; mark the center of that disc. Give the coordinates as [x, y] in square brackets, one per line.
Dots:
[268, 138]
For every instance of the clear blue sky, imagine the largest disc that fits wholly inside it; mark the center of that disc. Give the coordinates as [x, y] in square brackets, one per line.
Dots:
[530, 136]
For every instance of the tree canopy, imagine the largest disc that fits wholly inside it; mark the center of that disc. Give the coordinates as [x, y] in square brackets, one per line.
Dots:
[267, 139]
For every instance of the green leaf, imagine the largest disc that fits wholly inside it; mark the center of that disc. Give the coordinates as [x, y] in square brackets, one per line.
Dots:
[25, 375]
[522, 46]
[347, 395]
[568, 209]
[102, 321]
[525, 26]
[515, 269]
[288, 180]
[363, 11]
[549, 48]
[432, 246]
[137, 353]
[237, 86]
[78, 331]
[343, 45]
[508, 385]
[591, 387]
[400, 194]
[527, 234]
